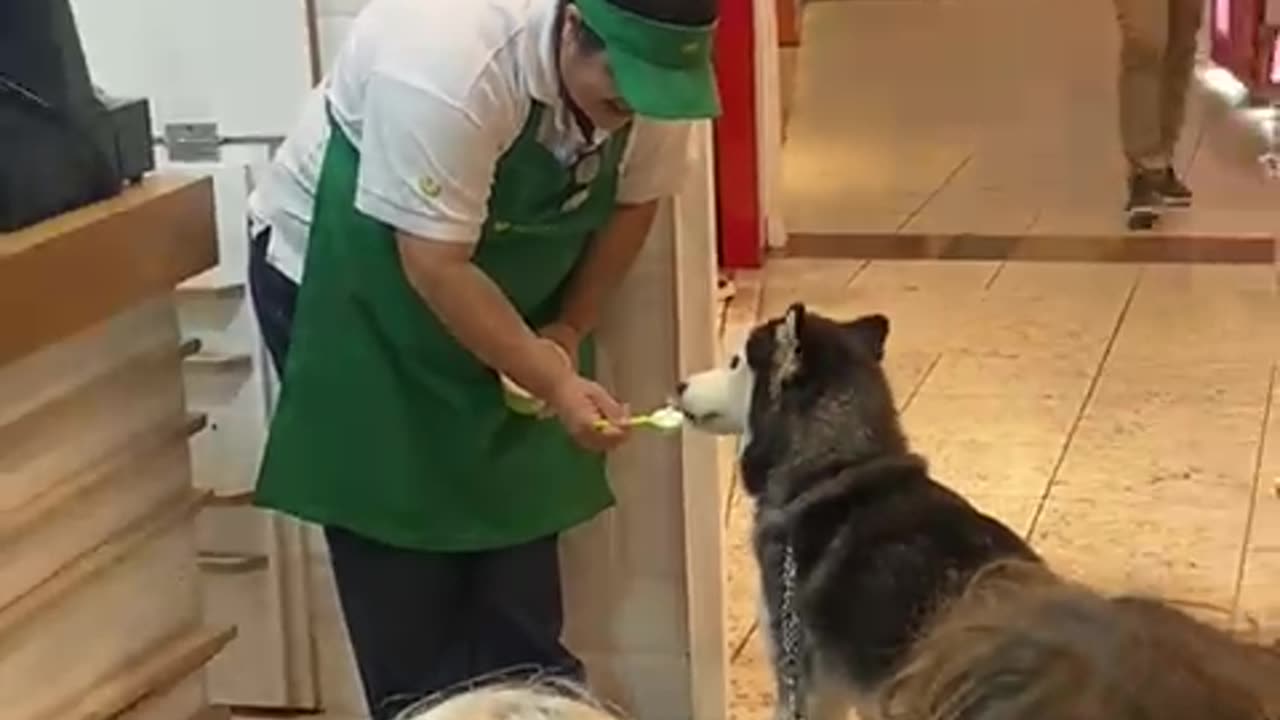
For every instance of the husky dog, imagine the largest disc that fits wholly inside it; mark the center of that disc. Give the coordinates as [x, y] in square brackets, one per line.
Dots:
[876, 545]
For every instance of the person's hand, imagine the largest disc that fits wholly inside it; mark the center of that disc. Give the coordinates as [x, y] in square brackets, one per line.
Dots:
[581, 405]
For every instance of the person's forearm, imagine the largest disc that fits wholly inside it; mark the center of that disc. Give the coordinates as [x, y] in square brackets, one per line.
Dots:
[610, 257]
[477, 313]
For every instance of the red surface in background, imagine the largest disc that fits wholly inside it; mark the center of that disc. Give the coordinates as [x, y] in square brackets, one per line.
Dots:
[737, 168]
[1247, 49]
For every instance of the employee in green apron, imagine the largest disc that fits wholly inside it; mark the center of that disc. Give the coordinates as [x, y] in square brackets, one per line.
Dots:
[457, 201]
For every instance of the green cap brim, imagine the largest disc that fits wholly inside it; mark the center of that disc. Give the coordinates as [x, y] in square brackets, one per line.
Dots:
[665, 93]
[663, 71]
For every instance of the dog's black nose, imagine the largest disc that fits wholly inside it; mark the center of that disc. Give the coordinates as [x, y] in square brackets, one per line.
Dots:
[681, 388]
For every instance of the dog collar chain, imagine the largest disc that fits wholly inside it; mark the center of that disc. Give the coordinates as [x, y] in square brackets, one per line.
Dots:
[791, 638]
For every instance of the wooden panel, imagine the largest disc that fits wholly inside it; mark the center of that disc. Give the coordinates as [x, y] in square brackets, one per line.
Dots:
[84, 266]
[107, 611]
[38, 541]
[60, 447]
[52, 372]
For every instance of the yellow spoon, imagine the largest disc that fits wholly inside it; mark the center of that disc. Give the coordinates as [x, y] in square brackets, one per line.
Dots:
[665, 419]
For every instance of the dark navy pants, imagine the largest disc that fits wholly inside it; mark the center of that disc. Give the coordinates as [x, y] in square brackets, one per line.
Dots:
[420, 622]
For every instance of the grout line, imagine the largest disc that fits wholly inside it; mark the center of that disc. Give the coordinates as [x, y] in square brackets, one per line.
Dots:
[732, 495]
[1084, 406]
[936, 192]
[741, 646]
[995, 275]
[857, 273]
[1035, 220]
[924, 377]
[1256, 488]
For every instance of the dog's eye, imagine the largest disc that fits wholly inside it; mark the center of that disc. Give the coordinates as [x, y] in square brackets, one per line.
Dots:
[735, 362]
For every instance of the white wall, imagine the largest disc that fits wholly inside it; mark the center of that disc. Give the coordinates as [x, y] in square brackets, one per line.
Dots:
[242, 63]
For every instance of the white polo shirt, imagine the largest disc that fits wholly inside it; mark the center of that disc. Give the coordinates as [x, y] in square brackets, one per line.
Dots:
[433, 93]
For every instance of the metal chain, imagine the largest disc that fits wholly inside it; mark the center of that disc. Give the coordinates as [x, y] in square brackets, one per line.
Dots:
[791, 639]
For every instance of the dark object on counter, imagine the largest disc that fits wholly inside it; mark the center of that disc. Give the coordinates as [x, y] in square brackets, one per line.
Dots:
[62, 144]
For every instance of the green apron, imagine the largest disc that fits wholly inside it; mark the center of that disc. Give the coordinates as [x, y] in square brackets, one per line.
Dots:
[387, 426]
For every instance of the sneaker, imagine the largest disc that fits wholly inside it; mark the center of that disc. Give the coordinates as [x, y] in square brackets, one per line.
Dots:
[1144, 192]
[1172, 189]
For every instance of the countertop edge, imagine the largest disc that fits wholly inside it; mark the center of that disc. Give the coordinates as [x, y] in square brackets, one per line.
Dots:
[73, 271]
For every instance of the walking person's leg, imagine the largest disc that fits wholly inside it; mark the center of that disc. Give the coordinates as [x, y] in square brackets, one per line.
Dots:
[407, 615]
[521, 618]
[1185, 17]
[1144, 27]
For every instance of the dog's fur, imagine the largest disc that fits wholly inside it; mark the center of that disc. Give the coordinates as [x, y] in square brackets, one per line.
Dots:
[879, 545]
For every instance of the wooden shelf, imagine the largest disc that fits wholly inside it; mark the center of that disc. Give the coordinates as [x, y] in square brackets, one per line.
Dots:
[217, 291]
[241, 498]
[218, 563]
[220, 362]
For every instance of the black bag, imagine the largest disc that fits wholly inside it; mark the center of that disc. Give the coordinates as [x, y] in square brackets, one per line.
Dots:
[51, 159]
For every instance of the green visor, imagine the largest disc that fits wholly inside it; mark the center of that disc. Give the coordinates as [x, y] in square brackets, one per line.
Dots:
[663, 70]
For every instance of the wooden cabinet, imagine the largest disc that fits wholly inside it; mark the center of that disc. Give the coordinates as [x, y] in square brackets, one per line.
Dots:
[100, 605]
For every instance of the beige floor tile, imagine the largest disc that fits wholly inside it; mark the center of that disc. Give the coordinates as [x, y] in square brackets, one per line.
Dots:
[999, 451]
[907, 371]
[1041, 325]
[1077, 280]
[751, 685]
[943, 277]
[823, 285]
[1185, 552]
[1137, 451]
[880, 137]
[1011, 372]
[742, 577]
[978, 211]
[1201, 315]
[1258, 609]
[926, 302]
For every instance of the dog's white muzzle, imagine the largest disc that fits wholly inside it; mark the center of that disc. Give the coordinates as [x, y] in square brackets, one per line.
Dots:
[718, 401]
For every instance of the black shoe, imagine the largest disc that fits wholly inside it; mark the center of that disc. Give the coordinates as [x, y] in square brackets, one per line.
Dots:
[1144, 192]
[1172, 189]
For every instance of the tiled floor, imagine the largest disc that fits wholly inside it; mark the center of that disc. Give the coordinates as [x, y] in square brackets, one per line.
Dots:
[1118, 415]
[991, 117]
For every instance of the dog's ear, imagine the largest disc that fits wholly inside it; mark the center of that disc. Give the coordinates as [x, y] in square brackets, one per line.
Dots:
[792, 326]
[788, 337]
[870, 331]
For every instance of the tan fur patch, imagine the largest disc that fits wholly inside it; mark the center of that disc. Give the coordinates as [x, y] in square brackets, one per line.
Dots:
[786, 352]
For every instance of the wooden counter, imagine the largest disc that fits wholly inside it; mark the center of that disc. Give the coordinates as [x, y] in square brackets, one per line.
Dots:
[100, 610]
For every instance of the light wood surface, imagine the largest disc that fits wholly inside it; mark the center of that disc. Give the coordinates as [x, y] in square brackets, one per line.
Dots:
[101, 613]
[70, 272]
